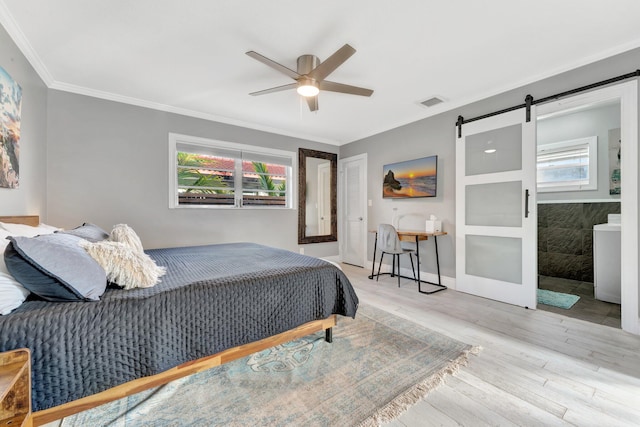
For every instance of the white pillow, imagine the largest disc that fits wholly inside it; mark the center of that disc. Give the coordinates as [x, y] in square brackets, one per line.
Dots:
[124, 265]
[12, 293]
[28, 230]
[3, 244]
[124, 234]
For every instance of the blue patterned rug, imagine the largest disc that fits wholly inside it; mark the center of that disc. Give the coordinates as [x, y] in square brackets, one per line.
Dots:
[557, 299]
[377, 366]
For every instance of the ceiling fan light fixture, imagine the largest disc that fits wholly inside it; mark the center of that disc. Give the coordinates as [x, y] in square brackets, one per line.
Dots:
[310, 76]
[308, 87]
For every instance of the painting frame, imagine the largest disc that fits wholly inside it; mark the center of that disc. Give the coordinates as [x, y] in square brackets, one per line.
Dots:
[409, 179]
[615, 144]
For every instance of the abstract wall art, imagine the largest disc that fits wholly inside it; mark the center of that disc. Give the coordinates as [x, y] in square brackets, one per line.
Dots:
[10, 106]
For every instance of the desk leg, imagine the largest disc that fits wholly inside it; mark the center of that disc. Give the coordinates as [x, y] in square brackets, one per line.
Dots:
[435, 242]
[439, 284]
[375, 248]
[418, 259]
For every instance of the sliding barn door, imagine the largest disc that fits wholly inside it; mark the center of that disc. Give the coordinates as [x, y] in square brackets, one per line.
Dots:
[496, 220]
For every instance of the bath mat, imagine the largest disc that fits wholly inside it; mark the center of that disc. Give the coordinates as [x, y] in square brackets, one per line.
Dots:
[557, 299]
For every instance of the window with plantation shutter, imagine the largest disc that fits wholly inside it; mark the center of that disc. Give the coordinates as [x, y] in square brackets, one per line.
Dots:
[568, 165]
[208, 173]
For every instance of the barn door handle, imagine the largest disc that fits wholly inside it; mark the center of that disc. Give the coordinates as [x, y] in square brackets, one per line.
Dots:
[526, 203]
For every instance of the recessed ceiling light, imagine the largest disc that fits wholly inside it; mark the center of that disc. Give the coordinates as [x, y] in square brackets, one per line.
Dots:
[490, 150]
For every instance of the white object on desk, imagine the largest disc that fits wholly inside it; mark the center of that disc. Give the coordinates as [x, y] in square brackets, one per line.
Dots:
[433, 225]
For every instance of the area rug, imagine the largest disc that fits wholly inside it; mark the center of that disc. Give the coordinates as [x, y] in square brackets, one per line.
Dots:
[557, 299]
[377, 366]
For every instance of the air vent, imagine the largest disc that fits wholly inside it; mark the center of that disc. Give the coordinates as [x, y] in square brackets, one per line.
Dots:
[432, 101]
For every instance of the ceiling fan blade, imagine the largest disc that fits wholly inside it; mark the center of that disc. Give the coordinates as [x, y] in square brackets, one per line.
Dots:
[342, 88]
[289, 72]
[275, 89]
[331, 63]
[312, 102]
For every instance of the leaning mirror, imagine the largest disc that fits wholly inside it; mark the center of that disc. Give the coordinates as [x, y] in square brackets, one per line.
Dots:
[317, 211]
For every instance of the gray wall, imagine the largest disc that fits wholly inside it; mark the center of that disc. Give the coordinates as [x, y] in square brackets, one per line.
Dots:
[435, 135]
[108, 164]
[29, 198]
[596, 121]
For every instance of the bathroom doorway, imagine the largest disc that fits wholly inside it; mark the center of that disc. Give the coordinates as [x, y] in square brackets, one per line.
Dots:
[579, 149]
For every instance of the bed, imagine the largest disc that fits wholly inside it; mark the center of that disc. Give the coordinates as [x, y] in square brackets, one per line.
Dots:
[215, 304]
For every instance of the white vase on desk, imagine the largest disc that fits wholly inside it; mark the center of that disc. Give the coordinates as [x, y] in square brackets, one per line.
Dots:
[395, 219]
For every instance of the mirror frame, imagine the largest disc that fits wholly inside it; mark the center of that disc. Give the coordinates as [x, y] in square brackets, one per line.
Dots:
[303, 153]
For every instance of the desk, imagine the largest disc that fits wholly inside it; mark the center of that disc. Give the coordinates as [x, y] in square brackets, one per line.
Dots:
[416, 237]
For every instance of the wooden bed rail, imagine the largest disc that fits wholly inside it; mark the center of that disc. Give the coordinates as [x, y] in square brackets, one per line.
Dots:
[48, 415]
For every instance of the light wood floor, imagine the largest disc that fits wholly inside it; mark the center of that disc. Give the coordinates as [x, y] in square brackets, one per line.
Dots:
[536, 368]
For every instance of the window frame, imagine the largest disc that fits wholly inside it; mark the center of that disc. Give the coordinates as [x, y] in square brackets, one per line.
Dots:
[592, 143]
[175, 139]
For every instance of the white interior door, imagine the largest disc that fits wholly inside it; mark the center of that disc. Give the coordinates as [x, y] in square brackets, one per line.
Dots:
[353, 219]
[496, 216]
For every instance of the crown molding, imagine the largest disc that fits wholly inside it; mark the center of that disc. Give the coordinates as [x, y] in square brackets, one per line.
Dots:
[18, 37]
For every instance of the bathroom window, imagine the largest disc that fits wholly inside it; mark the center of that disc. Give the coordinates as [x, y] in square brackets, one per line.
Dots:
[568, 165]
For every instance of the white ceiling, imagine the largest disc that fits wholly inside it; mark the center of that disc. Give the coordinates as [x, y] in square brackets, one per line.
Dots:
[189, 56]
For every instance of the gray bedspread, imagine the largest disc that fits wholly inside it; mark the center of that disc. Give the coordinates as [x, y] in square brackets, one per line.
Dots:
[211, 299]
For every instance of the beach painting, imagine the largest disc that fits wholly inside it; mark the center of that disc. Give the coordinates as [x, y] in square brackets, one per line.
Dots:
[411, 178]
[10, 106]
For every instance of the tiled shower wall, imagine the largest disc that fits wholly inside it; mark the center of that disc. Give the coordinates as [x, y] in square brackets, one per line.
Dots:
[565, 238]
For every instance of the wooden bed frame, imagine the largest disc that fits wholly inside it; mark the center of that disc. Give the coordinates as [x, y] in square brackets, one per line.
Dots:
[123, 390]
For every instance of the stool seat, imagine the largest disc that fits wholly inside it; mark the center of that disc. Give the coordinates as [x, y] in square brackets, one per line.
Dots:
[389, 243]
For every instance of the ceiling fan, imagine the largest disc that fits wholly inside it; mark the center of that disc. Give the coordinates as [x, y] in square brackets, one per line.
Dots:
[310, 76]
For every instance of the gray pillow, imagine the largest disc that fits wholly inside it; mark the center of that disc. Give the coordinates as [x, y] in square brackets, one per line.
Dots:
[55, 267]
[88, 231]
